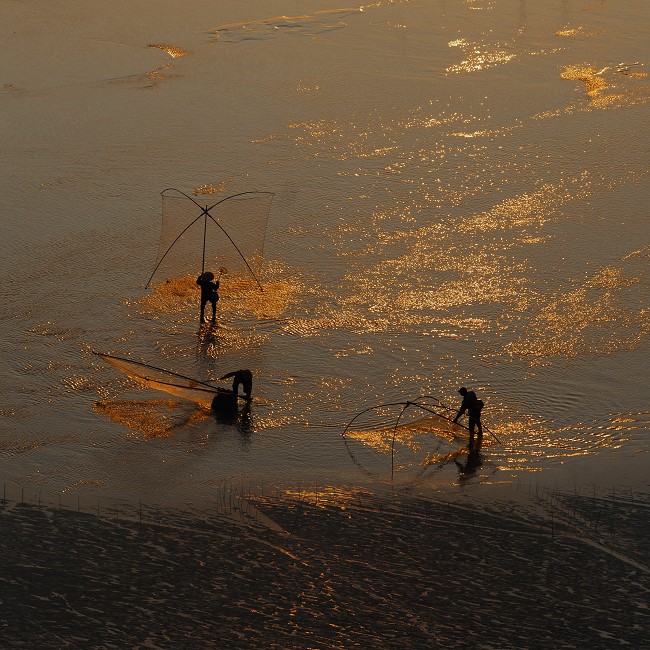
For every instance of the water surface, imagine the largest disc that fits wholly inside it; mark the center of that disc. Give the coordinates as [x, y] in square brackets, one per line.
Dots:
[460, 199]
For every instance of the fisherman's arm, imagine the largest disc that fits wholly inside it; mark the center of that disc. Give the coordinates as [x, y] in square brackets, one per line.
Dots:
[461, 410]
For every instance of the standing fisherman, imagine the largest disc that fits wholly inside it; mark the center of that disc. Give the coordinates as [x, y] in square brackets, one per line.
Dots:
[473, 406]
[209, 293]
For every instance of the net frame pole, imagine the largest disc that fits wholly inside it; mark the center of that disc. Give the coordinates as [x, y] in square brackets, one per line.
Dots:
[259, 284]
[160, 261]
[205, 227]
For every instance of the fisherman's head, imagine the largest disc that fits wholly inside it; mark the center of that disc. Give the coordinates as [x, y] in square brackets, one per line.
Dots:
[208, 275]
[462, 390]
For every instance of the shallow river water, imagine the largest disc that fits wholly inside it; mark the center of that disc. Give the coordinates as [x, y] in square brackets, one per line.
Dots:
[460, 198]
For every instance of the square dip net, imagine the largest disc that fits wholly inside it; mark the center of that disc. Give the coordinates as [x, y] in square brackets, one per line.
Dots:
[226, 236]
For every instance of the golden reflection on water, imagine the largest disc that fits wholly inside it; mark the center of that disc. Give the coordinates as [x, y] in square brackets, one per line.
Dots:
[486, 132]
[172, 296]
[604, 89]
[379, 137]
[239, 295]
[151, 418]
[530, 443]
[542, 205]
[208, 189]
[490, 274]
[78, 382]
[174, 51]
[327, 496]
[213, 339]
[300, 404]
[157, 75]
[416, 120]
[589, 75]
[643, 252]
[482, 277]
[343, 140]
[273, 302]
[74, 487]
[574, 31]
[479, 56]
[51, 329]
[589, 319]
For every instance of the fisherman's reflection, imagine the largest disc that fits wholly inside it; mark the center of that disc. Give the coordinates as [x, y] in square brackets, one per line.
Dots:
[244, 425]
[471, 465]
[208, 341]
[225, 408]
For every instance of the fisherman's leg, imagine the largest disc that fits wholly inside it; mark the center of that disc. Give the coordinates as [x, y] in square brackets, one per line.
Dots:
[235, 385]
[248, 387]
[480, 433]
[203, 310]
[471, 426]
[214, 311]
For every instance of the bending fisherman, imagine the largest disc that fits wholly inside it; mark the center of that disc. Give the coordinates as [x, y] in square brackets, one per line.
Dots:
[473, 406]
[243, 378]
[209, 293]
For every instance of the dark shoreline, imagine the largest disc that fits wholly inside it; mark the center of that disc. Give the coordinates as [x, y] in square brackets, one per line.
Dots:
[302, 572]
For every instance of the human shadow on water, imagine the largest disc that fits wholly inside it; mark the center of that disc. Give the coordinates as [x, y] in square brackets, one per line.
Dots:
[209, 339]
[473, 463]
[225, 408]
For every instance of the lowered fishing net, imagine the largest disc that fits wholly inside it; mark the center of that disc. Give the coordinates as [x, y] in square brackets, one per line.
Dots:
[403, 439]
[225, 234]
[147, 376]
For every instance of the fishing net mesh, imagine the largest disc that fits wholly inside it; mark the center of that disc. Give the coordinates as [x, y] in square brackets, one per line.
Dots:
[164, 380]
[410, 440]
[234, 232]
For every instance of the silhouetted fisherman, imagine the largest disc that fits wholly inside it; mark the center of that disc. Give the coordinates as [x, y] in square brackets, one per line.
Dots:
[209, 293]
[473, 406]
[243, 378]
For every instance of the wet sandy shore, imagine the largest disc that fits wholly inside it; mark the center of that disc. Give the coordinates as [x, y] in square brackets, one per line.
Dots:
[296, 571]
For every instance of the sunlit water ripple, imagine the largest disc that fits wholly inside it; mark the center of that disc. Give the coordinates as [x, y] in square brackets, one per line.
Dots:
[460, 194]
